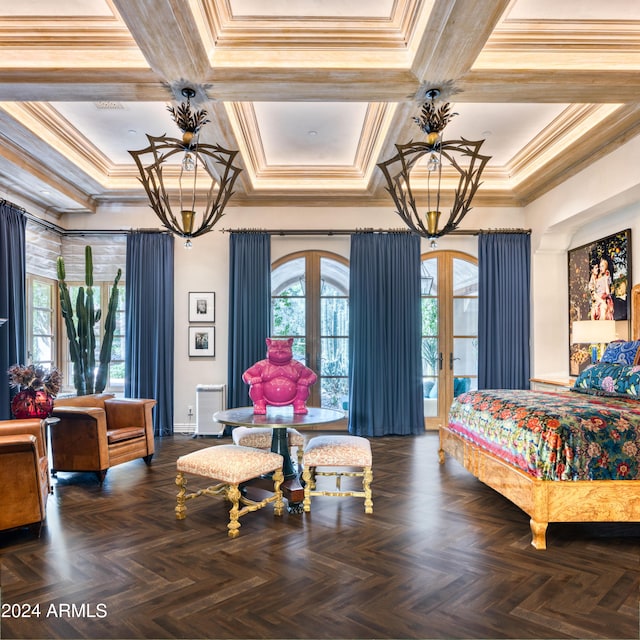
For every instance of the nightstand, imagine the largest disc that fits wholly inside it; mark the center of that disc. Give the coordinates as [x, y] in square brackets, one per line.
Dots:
[552, 384]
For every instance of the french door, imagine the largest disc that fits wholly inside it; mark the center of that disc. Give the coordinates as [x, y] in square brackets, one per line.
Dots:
[449, 282]
[310, 303]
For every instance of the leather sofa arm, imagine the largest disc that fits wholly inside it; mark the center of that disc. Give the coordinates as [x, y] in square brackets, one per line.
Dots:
[127, 412]
[16, 443]
[30, 427]
[72, 410]
[90, 400]
[78, 427]
[25, 481]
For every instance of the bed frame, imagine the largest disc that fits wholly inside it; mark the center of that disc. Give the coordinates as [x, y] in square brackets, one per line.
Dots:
[548, 501]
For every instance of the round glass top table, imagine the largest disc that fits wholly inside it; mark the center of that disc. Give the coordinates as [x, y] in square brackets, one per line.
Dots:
[278, 419]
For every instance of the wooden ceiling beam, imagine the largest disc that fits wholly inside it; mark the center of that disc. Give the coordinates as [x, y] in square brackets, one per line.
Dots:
[542, 86]
[241, 84]
[167, 34]
[456, 33]
[81, 85]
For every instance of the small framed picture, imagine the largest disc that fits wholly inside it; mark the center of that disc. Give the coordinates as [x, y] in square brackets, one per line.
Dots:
[202, 306]
[202, 341]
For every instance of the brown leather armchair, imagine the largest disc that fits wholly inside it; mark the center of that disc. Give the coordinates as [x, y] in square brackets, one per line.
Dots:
[24, 473]
[98, 431]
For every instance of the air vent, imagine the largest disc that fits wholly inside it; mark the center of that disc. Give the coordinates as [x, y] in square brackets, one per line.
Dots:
[110, 106]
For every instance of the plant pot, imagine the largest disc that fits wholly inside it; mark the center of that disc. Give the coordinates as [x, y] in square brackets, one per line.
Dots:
[29, 403]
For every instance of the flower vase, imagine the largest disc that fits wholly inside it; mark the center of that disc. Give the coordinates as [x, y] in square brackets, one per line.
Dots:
[29, 403]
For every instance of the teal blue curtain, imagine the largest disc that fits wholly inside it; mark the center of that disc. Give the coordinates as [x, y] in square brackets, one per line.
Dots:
[504, 310]
[249, 308]
[13, 306]
[149, 324]
[385, 369]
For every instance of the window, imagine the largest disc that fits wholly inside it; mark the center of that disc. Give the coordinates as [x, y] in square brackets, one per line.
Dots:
[41, 314]
[101, 292]
[310, 303]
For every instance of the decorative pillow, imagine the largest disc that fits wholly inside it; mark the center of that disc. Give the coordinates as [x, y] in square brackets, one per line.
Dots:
[609, 379]
[622, 352]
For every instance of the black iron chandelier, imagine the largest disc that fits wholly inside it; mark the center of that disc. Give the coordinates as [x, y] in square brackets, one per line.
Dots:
[191, 169]
[462, 155]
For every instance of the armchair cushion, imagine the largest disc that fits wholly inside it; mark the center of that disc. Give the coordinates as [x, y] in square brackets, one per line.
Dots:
[126, 433]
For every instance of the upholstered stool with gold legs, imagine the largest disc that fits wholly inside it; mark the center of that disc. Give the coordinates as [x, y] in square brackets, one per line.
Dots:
[230, 465]
[260, 438]
[337, 451]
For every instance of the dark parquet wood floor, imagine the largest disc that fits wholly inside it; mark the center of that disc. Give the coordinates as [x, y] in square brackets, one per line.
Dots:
[443, 556]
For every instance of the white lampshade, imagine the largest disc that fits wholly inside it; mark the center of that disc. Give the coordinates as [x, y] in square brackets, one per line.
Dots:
[597, 331]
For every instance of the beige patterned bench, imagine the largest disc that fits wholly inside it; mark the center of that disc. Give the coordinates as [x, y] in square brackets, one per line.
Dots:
[230, 465]
[341, 452]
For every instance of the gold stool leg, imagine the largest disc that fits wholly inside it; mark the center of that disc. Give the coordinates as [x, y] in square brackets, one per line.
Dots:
[300, 454]
[366, 485]
[233, 495]
[307, 478]
[181, 510]
[278, 479]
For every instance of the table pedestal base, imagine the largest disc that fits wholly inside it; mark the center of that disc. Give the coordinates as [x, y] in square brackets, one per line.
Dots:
[278, 419]
[292, 490]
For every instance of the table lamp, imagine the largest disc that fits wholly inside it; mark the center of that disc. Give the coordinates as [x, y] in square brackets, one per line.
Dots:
[596, 333]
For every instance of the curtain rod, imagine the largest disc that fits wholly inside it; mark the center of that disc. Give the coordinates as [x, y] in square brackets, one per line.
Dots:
[313, 232]
[348, 232]
[12, 204]
[73, 232]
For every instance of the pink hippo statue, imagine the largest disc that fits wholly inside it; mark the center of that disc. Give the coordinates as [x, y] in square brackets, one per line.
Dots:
[279, 380]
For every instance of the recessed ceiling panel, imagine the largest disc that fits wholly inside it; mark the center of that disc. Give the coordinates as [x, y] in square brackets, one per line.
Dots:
[115, 127]
[506, 128]
[574, 10]
[313, 8]
[57, 9]
[310, 133]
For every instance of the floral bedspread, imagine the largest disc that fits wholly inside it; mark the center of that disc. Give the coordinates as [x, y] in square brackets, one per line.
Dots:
[554, 436]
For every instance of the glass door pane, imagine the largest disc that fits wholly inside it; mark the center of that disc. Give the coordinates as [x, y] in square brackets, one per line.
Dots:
[449, 331]
[334, 334]
[310, 303]
[465, 326]
[430, 341]
[289, 304]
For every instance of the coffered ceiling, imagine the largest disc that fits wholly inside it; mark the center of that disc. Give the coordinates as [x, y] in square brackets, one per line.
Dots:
[313, 93]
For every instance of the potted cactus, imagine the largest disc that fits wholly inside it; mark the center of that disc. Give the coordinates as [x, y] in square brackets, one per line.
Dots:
[81, 329]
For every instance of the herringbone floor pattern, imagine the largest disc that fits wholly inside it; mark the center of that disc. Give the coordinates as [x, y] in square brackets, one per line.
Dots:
[443, 556]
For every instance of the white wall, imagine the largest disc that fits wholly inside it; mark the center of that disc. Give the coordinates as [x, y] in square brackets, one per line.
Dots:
[599, 201]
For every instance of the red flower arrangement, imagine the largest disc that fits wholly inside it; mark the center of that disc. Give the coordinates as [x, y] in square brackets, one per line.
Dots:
[37, 388]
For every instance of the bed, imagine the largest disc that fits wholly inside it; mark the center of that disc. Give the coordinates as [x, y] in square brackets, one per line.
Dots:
[559, 456]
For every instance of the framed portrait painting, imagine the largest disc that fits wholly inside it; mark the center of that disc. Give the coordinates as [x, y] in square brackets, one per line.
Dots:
[202, 341]
[202, 306]
[599, 289]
